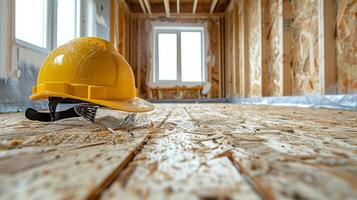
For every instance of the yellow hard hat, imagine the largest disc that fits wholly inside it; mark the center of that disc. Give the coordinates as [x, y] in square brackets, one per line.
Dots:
[89, 70]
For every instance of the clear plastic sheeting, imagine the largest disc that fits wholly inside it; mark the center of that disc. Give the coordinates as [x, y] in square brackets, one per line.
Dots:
[315, 101]
[14, 93]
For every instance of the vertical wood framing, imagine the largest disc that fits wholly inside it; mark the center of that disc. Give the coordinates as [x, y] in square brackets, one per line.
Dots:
[235, 57]
[178, 6]
[220, 50]
[245, 45]
[228, 53]
[112, 22]
[138, 67]
[285, 77]
[265, 50]
[327, 46]
[122, 28]
[223, 60]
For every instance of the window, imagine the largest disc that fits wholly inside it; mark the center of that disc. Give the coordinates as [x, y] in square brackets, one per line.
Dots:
[67, 20]
[31, 24]
[46, 24]
[178, 53]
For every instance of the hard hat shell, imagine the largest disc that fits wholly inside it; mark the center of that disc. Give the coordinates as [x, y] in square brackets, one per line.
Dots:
[89, 69]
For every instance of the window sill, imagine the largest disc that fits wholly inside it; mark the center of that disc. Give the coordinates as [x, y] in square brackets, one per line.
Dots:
[175, 84]
[26, 45]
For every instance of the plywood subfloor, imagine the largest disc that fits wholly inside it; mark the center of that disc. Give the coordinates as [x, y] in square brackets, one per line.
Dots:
[183, 151]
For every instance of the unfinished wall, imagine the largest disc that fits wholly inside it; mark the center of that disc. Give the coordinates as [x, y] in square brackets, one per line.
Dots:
[304, 47]
[346, 43]
[280, 51]
[272, 43]
[232, 50]
[254, 49]
[141, 53]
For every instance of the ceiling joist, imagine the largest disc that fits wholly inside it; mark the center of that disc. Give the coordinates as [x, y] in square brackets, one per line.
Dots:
[147, 4]
[167, 7]
[142, 6]
[213, 6]
[194, 6]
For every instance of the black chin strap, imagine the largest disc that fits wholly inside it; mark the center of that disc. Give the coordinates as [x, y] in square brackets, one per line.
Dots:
[87, 111]
[33, 114]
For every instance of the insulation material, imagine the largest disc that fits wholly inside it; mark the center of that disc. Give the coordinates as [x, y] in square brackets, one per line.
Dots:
[304, 47]
[141, 53]
[346, 42]
[272, 41]
[254, 39]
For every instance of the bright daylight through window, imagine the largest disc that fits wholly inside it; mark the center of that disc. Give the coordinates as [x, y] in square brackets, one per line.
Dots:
[66, 21]
[179, 55]
[31, 24]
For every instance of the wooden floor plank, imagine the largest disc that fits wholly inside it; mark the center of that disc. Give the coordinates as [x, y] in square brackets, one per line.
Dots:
[71, 168]
[193, 151]
[295, 161]
[176, 163]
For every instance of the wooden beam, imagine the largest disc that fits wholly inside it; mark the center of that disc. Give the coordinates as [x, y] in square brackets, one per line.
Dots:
[194, 6]
[287, 34]
[235, 60]
[175, 15]
[213, 6]
[327, 46]
[142, 6]
[265, 47]
[178, 6]
[112, 22]
[229, 54]
[245, 52]
[138, 67]
[147, 4]
[122, 29]
[167, 7]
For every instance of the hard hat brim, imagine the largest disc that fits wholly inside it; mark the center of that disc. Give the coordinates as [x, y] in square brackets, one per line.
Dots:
[135, 104]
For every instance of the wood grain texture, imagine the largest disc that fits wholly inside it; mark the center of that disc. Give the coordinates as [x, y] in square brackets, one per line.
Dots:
[184, 151]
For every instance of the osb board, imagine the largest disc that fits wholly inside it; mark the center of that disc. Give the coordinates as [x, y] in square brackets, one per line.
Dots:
[69, 159]
[272, 41]
[185, 151]
[255, 47]
[346, 42]
[304, 46]
[141, 50]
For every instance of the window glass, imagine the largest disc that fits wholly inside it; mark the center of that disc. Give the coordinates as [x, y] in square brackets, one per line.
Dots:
[66, 21]
[191, 57]
[167, 56]
[30, 21]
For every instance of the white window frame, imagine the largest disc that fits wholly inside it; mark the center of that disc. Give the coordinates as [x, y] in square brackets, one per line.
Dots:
[177, 29]
[51, 26]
